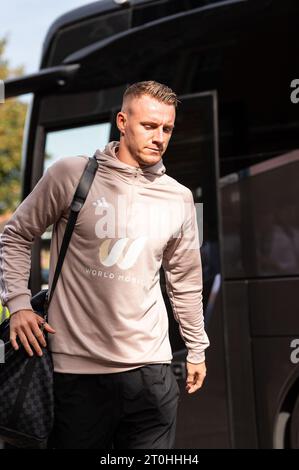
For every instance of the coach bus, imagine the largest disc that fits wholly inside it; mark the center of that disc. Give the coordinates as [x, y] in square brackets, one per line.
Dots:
[235, 145]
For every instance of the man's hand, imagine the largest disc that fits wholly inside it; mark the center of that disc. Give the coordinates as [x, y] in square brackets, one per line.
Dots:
[195, 376]
[27, 326]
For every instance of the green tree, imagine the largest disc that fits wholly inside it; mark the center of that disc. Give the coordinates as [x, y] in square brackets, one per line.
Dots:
[12, 119]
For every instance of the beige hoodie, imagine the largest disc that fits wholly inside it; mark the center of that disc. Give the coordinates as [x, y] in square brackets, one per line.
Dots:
[108, 310]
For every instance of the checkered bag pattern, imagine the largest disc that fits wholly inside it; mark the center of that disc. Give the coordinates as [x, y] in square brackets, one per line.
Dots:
[35, 414]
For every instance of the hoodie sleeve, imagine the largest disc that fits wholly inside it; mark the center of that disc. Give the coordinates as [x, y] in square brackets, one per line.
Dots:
[51, 196]
[183, 273]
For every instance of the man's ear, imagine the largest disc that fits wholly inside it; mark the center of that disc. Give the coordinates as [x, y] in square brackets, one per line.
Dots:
[121, 120]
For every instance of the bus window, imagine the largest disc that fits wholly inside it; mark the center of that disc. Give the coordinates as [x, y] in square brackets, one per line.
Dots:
[76, 141]
[82, 140]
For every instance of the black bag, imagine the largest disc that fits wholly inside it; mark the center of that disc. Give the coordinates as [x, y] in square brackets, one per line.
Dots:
[27, 404]
[26, 383]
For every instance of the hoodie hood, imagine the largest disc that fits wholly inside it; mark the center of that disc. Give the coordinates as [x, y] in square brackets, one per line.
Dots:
[108, 160]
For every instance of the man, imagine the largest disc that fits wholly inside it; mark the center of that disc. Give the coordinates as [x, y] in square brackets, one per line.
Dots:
[108, 323]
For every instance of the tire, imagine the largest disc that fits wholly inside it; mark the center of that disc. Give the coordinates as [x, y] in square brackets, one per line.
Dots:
[294, 426]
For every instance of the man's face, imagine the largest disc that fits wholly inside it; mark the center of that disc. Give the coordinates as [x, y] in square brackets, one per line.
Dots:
[146, 125]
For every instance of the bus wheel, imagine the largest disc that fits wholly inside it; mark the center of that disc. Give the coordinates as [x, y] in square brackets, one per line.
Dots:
[294, 426]
[281, 432]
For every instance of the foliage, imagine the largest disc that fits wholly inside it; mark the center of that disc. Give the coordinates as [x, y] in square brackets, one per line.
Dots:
[12, 119]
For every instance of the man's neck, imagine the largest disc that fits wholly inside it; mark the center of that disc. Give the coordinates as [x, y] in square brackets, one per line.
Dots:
[125, 157]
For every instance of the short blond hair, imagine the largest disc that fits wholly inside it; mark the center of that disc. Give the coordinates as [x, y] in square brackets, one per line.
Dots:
[154, 89]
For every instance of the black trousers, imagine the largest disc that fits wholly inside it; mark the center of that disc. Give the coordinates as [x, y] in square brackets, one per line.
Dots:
[135, 409]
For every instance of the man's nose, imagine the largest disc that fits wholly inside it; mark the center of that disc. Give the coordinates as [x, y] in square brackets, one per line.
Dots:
[158, 135]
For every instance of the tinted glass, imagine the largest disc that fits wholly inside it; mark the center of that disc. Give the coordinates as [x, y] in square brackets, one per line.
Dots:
[69, 142]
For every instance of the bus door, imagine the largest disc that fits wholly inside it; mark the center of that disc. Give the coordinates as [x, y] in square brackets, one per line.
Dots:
[192, 159]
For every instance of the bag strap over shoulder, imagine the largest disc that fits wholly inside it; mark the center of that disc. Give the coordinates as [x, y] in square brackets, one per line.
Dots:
[77, 204]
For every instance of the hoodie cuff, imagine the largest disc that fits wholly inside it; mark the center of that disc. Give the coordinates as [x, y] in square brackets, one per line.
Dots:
[21, 302]
[196, 358]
